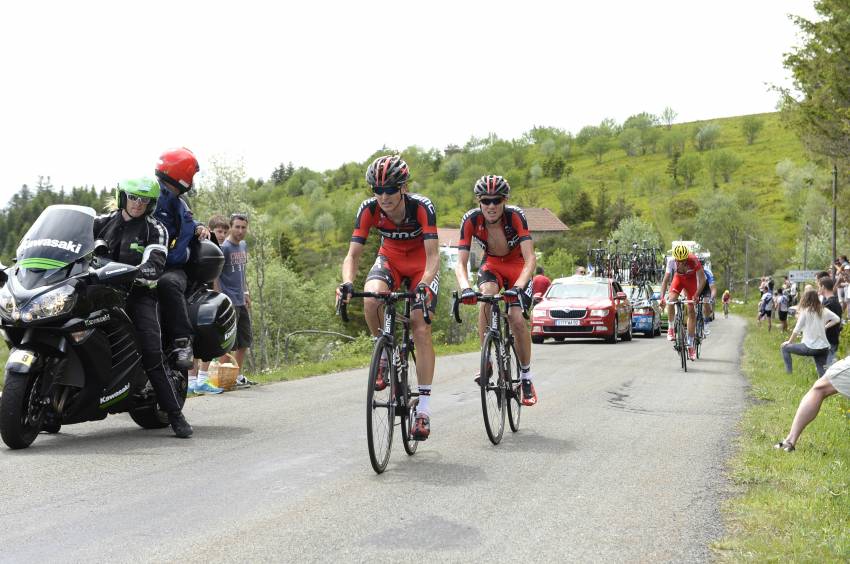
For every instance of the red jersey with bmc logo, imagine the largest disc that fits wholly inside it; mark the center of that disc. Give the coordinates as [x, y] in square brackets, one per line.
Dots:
[474, 226]
[419, 223]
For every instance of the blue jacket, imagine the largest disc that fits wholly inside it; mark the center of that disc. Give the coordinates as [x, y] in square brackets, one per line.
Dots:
[177, 218]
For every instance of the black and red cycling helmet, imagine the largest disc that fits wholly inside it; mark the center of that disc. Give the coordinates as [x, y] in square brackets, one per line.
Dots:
[492, 185]
[387, 171]
[178, 168]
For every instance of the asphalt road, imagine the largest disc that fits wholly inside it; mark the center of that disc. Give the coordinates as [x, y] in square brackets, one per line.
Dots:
[622, 460]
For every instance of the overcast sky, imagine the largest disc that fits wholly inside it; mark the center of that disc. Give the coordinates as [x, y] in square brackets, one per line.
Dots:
[93, 92]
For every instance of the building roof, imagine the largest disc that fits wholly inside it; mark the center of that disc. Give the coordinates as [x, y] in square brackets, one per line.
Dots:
[540, 220]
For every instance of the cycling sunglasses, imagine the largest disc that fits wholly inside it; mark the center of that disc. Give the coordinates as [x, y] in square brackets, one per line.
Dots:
[242, 216]
[142, 199]
[388, 190]
[491, 201]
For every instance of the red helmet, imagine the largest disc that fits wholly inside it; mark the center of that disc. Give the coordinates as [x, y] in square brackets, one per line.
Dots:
[389, 170]
[178, 168]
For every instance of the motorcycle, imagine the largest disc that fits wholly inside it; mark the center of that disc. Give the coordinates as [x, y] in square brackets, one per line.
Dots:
[74, 354]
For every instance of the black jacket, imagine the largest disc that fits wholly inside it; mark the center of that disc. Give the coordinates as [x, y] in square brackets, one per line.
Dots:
[833, 332]
[139, 242]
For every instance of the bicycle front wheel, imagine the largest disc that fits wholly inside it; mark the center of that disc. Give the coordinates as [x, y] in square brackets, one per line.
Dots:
[682, 341]
[380, 406]
[492, 392]
[514, 395]
[410, 399]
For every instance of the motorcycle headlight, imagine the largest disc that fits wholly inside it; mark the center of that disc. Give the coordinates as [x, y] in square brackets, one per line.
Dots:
[53, 303]
[7, 303]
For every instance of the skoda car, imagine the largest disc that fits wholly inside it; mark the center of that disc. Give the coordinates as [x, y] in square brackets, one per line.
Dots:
[583, 307]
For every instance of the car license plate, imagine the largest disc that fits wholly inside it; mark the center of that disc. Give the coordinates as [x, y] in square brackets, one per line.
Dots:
[567, 321]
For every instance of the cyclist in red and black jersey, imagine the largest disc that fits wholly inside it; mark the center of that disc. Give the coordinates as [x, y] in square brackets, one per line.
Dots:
[409, 252]
[509, 264]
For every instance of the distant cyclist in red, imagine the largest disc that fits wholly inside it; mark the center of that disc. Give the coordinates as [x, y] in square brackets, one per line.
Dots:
[510, 262]
[688, 277]
[409, 251]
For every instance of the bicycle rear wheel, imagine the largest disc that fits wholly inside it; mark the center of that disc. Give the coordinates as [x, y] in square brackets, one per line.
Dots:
[408, 409]
[700, 335]
[492, 393]
[514, 395]
[380, 409]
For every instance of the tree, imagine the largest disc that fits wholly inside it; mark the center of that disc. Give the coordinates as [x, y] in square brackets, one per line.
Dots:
[582, 209]
[750, 127]
[668, 116]
[705, 136]
[558, 263]
[673, 167]
[688, 167]
[630, 141]
[602, 211]
[620, 210]
[598, 146]
[674, 142]
[324, 224]
[635, 230]
[820, 72]
[723, 225]
[723, 163]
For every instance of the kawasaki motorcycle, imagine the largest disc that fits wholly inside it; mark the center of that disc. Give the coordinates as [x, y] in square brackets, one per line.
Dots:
[73, 351]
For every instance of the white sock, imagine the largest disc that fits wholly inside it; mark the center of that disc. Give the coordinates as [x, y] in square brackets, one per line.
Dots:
[240, 378]
[525, 373]
[424, 406]
[202, 377]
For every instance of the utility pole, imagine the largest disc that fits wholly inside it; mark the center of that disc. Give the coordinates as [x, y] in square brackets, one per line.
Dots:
[746, 265]
[834, 212]
[806, 248]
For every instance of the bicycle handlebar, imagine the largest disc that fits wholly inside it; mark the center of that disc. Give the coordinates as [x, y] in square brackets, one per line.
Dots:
[387, 297]
[486, 298]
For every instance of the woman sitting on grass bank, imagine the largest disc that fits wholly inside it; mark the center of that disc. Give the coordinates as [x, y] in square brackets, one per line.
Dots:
[836, 379]
[812, 321]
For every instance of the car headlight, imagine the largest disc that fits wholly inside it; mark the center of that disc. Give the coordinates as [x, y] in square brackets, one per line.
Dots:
[539, 313]
[7, 303]
[53, 303]
[599, 312]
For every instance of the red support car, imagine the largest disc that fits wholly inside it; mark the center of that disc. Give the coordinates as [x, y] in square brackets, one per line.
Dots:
[583, 307]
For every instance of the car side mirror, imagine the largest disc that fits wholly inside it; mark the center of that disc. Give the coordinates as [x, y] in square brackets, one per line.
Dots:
[620, 296]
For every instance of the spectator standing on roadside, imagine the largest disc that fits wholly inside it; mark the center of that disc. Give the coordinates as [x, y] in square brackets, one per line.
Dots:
[581, 271]
[766, 308]
[792, 293]
[540, 283]
[781, 301]
[830, 301]
[199, 384]
[812, 322]
[234, 283]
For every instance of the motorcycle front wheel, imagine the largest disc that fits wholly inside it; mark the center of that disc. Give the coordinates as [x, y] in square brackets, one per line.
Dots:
[21, 412]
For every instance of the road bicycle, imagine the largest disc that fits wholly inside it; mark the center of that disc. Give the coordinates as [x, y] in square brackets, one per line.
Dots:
[680, 332]
[699, 334]
[501, 389]
[398, 399]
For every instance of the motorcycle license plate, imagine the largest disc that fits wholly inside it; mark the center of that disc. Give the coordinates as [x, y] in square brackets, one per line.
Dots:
[21, 357]
[567, 321]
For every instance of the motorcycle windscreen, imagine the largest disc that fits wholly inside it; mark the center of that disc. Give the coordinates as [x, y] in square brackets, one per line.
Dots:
[61, 236]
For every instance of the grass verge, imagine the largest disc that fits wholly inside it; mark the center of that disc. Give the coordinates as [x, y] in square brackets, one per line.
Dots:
[790, 506]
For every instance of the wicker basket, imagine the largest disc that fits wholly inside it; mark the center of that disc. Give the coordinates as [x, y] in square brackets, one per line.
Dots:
[224, 375]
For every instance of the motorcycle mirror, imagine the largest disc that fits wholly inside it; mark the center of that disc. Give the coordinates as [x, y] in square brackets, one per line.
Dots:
[116, 274]
[101, 249]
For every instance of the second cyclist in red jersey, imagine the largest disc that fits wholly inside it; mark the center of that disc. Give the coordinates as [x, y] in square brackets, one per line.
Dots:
[409, 252]
[509, 264]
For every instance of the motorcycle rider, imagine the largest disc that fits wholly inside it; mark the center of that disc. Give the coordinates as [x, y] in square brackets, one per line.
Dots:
[134, 237]
[176, 170]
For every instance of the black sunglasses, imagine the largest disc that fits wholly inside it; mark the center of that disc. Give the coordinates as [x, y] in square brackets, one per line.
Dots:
[491, 201]
[388, 190]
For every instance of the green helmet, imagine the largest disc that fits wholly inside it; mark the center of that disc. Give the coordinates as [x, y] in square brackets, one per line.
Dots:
[144, 187]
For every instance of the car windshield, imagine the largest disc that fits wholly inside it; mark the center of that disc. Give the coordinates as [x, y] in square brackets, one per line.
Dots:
[591, 290]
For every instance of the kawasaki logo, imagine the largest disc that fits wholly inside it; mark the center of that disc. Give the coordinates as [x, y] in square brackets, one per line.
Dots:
[115, 395]
[96, 320]
[67, 245]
